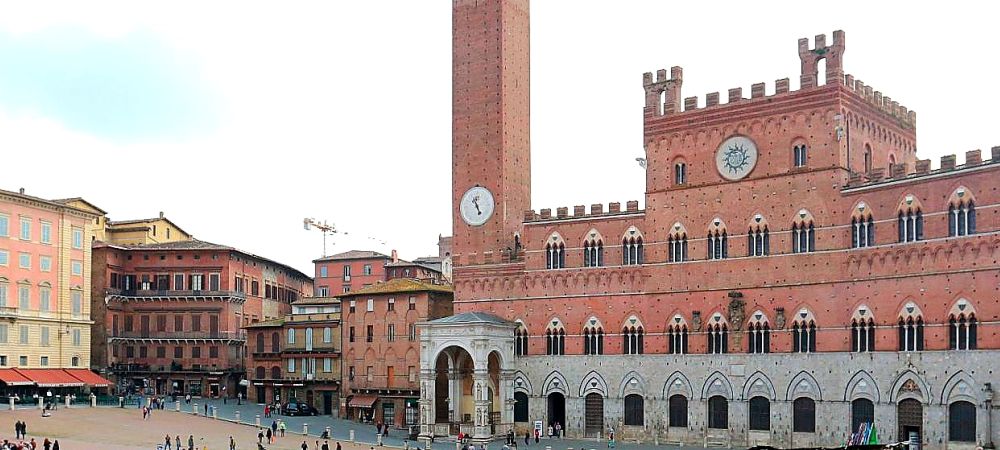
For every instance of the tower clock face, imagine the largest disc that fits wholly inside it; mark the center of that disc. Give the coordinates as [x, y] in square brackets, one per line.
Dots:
[736, 157]
[477, 206]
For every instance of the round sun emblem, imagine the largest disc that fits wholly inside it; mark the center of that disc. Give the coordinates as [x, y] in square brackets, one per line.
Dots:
[736, 157]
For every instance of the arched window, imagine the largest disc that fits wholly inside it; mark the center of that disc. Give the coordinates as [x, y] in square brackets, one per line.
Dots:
[962, 326]
[677, 244]
[862, 330]
[593, 250]
[799, 155]
[961, 214]
[555, 253]
[804, 415]
[760, 414]
[910, 221]
[632, 334]
[309, 338]
[718, 335]
[803, 233]
[718, 412]
[634, 409]
[275, 373]
[862, 411]
[555, 338]
[911, 329]
[718, 240]
[677, 336]
[275, 342]
[520, 340]
[759, 331]
[804, 333]
[593, 337]
[758, 237]
[261, 373]
[678, 411]
[260, 343]
[632, 247]
[868, 158]
[862, 227]
[962, 422]
[680, 173]
[520, 407]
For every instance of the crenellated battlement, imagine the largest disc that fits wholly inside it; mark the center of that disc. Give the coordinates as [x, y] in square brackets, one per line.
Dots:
[596, 210]
[898, 172]
[669, 89]
[906, 117]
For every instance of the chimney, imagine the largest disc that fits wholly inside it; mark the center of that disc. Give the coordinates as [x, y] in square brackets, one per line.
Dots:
[395, 256]
[161, 214]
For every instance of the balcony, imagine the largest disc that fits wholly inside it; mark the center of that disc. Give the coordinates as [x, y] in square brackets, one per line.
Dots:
[180, 336]
[173, 295]
[8, 312]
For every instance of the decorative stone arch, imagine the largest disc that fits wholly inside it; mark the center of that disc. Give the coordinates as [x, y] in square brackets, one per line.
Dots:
[758, 317]
[716, 225]
[522, 383]
[555, 382]
[759, 385]
[961, 196]
[910, 310]
[804, 316]
[593, 323]
[677, 383]
[909, 385]
[632, 232]
[862, 313]
[678, 231]
[803, 385]
[521, 325]
[633, 383]
[593, 382]
[593, 236]
[441, 347]
[862, 385]
[861, 211]
[909, 203]
[960, 387]
[717, 318]
[677, 322]
[633, 321]
[757, 222]
[717, 384]
[803, 218]
[962, 306]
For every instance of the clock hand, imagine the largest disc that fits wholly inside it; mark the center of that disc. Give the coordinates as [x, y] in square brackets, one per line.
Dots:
[475, 202]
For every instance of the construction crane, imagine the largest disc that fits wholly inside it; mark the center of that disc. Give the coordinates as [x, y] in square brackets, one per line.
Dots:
[326, 229]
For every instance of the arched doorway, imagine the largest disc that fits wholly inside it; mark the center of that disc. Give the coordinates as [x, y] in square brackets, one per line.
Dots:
[593, 415]
[910, 417]
[521, 407]
[556, 411]
[453, 399]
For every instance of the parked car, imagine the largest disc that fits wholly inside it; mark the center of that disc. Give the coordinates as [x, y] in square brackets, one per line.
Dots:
[298, 409]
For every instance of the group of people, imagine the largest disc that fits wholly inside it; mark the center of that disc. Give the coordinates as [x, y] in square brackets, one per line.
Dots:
[271, 433]
[271, 409]
[190, 442]
[317, 446]
[21, 441]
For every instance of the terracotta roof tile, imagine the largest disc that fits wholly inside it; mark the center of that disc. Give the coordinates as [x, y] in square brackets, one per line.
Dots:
[397, 285]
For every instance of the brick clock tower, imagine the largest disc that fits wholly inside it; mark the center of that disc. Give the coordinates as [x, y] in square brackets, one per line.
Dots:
[491, 169]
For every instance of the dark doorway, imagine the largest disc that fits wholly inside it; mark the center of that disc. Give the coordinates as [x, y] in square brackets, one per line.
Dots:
[520, 407]
[556, 410]
[327, 402]
[910, 417]
[261, 395]
[593, 415]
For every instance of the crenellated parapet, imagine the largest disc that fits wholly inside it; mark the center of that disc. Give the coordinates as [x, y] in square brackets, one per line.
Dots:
[906, 118]
[595, 210]
[922, 169]
[663, 95]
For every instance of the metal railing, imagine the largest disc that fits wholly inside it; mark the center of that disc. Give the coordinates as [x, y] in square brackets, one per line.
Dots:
[233, 335]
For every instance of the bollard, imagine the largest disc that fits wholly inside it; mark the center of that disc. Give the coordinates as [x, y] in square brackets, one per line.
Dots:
[237, 417]
[177, 406]
[305, 429]
[215, 413]
[257, 421]
[194, 408]
[11, 403]
[350, 436]
[458, 445]
[67, 401]
[548, 447]
[93, 400]
[121, 402]
[40, 403]
[328, 433]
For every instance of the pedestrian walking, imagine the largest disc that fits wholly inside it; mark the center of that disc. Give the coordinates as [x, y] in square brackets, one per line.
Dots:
[260, 436]
[326, 446]
[55, 445]
[267, 411]
[305, 446]
[281, 427]
[206, 408]
[24, 429]
[527, 437]
[558, 430]
[269, 436]
[166, 442]
[338, 445]
[178, 447]
[47, 444]
[232, 443]
[191, 442]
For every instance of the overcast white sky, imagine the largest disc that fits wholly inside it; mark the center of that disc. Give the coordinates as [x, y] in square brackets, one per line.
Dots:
[239, 119]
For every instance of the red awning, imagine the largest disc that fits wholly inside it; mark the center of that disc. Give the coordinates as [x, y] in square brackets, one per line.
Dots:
[50, 377]
[362, 401]
[12, 377]
[89, 378]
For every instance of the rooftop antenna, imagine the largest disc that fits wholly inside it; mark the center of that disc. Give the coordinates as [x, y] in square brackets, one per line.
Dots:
[326, 229]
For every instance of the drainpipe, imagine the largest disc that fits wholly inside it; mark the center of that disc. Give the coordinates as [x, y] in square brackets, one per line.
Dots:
[989, 416]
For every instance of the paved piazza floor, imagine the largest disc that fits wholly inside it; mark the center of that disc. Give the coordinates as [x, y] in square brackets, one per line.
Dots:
[104, 428]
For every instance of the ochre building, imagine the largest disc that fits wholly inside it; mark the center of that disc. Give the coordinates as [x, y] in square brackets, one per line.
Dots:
[797, 271]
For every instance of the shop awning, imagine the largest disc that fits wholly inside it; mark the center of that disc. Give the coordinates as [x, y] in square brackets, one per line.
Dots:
[12, 377]
[89, 378]
[51, 377]
[362, 401]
